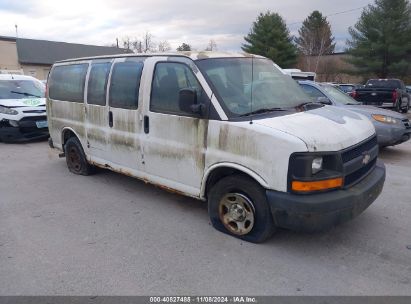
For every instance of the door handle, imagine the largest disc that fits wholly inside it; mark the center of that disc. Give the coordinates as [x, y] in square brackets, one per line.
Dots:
[110, 119]
[146, 124]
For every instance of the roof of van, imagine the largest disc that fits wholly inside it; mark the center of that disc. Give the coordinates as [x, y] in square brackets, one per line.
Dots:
[189, 54]
[16, 77]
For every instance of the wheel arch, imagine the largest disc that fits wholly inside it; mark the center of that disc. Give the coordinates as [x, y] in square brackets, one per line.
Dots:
[218, 171]
[67, 133]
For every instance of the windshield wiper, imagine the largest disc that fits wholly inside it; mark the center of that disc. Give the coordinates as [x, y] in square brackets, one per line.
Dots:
[25, 94]
[263, 110]
[309, 102]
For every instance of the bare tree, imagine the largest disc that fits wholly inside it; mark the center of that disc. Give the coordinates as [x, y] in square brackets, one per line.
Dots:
[148, 43]
[164, 46]
[212, 45]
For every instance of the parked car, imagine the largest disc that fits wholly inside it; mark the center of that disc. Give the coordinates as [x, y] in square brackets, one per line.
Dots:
[231, 129]
[385, 93]
[408, 90]
[392, 128]
[348, 88]
[22, 108]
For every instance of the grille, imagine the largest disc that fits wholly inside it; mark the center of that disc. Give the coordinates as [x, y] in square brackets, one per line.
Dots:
[354, 153]
[406, 123]
[35, 111]
[34, 118]
[358, 150]
[356, 176]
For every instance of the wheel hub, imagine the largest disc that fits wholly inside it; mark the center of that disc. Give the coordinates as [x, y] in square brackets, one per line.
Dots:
[236, 212]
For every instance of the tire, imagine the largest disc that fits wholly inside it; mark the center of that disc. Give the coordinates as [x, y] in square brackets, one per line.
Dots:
[237, 205]
[76, 159]
[398, 106]
[406, 108]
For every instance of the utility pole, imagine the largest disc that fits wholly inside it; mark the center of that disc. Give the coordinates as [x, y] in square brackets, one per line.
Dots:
[17, 36]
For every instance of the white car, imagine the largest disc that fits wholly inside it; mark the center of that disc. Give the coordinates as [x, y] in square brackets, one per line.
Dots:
[22, 108]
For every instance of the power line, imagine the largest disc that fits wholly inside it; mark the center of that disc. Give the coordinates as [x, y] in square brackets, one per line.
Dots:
[334, 14]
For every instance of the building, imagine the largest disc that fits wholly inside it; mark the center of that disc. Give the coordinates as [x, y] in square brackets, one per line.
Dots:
[35, 57]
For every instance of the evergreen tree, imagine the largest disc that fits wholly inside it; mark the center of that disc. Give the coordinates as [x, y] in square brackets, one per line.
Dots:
[315, 37]
[184, 47]
[270, 37]
[381, 40]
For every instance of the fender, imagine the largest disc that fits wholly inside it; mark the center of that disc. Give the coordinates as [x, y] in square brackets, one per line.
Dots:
[63, 130]
[236, 166]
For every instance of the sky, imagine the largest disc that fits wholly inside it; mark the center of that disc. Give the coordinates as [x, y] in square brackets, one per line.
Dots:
[195, 22]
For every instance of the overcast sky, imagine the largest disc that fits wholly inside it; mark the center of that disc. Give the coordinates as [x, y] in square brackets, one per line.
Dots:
[195, 22]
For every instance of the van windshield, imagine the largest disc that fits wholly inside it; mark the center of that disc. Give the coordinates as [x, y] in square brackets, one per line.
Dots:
[19, 89]
[251, 85]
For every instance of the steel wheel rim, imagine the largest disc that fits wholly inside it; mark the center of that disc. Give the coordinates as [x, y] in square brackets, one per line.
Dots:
[236, 212]
[74, 159]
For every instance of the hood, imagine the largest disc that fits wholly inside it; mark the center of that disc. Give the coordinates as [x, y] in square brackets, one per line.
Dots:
[23, 102]
[323, 129]
[370, 110]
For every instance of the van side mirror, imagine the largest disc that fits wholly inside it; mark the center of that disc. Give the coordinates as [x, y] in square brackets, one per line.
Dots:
[187, 101]
[324, 100]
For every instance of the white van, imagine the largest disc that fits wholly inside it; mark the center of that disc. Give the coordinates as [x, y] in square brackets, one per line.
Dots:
[22, 108]
[231, 129]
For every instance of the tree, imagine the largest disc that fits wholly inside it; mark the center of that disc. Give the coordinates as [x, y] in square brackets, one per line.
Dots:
[381, 40]
[270, 37]
[164, 46]
[184, 47]
[315, 39]
[212, 46]
[315, 36]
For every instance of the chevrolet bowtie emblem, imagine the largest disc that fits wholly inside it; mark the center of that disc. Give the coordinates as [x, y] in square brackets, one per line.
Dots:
[366, 158]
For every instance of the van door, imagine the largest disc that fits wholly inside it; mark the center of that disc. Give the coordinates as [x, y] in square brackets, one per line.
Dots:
[123, 115]
[96, 110]
[174, 141]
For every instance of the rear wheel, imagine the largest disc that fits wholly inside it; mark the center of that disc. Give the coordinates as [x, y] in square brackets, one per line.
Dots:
[75, 157]
[406, 108]
[238, 206]
[398, 106]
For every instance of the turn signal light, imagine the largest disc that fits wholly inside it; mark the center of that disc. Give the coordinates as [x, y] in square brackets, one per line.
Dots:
[326, 184]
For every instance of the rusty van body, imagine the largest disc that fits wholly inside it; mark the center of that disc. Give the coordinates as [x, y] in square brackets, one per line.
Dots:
[231, 129]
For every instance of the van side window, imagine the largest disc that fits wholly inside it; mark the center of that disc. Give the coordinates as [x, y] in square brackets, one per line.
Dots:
[97, 83]
[125, 84]
[67, 82]
[169, 78]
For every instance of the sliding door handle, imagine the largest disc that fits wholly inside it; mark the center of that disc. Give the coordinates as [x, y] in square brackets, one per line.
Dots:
[110, 119]
[146, 124]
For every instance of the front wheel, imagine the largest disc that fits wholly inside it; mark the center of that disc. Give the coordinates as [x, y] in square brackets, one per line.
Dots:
[238, 206]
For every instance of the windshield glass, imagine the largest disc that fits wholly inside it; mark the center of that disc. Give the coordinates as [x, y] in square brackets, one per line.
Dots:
[18, 89]
[248, 85]
[384, 83]
[338, 96]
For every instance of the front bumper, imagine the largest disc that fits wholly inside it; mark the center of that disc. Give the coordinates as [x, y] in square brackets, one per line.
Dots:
[391, 135]
[26, 130]
[316, 212]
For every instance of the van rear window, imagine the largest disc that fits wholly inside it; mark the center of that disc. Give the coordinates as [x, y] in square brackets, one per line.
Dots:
[67, 82]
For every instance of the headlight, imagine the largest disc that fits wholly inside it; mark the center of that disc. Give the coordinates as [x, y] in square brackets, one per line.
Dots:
[317, 165]
[8, 111]
[310, 172]
[384, 119]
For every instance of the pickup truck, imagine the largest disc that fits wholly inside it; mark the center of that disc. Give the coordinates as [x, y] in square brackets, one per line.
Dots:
[384, 93]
